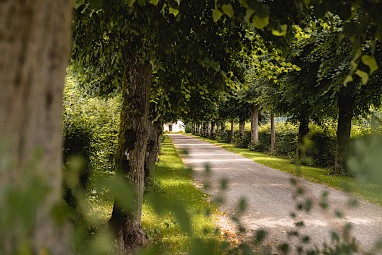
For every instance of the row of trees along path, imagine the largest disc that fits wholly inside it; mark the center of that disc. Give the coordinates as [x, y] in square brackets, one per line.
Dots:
[127, 45]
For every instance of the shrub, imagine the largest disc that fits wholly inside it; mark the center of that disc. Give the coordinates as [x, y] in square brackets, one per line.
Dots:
[323, 150]
[223, 136]
[90, 128]
[242, 143]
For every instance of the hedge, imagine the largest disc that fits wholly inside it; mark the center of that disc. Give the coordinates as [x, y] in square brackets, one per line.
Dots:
[320, 145]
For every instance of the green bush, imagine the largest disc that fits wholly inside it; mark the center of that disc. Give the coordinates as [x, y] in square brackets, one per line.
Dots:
[223, 136]
[242, 143]
[90, 128]
[321, 140]
[323, 150]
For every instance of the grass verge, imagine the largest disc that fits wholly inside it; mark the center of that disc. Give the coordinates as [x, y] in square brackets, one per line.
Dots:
[173, 181]
[368, 192]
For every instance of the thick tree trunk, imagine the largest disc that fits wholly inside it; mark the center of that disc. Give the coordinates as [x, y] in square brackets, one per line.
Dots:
[345, 106]
[241, 129]
[254, 125]
[209, 128]
[193, 128]
[303, 130]
[232, 131]
[130, 154]
[153, 142]
[217, 127]
[212, 128]
[273, 133]
[34, 54]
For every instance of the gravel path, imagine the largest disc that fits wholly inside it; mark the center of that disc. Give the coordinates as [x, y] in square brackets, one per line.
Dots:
[269, 195]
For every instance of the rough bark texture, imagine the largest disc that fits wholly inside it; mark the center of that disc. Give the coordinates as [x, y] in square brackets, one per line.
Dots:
[303, 130]
[131, 150]
[241, 129]
[273, 133]
[232, 131]
[153, 142]
[254, 125]
[34, 54]
[345, 115]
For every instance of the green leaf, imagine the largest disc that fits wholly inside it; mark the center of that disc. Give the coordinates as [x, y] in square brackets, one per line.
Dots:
[173, 11]
[262, 11]
[183, 217]
[348, 79]
[259, 22]
[228, 10]
[154, 2]
[280, 30]
[364, 76]
[243, 3]
[370, 62]
[260, 235]
[216, 15]
[243, 205]
[96, 4]
[130, 2]
[248, 14]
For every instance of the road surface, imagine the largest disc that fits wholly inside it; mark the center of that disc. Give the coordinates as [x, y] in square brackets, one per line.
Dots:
[269, 195]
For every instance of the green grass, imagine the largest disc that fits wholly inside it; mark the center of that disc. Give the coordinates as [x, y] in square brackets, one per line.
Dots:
[174, 184]
[368, 192]
[173, 181]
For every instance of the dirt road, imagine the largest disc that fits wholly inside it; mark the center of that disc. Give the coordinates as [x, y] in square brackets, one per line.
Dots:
[269, 195]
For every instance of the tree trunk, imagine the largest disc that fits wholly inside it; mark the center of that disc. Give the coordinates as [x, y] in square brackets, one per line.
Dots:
[209, 128]
[193, 128]
[212, 128]
[130, 154]
[232, 131]
[153, 142]
[217, 127]
[345, 106]
[254, 125]
[273, 133]
[34, 49]
[241, 129]
[303, 130]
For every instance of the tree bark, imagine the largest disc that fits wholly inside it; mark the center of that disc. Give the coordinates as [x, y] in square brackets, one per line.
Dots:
[131, 149]
[273, 133]
[232, 131]
[153, 142]
[303, 130]
[254, 125]
[345, 106]
[217, 127]
[34, 49]
[209, 128]
[241, 129]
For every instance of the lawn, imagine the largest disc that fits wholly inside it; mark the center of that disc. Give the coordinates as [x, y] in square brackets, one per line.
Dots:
[175, 185]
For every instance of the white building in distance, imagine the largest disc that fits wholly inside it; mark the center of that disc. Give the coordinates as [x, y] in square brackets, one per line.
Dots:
[177, 126]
